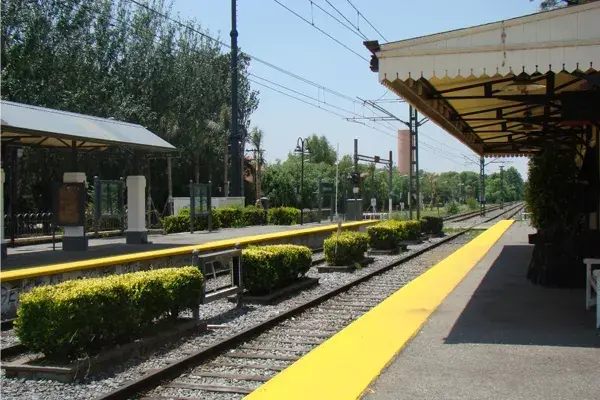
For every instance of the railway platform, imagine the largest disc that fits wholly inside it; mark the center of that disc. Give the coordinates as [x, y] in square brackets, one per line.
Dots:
[472, 327]
[43, 254]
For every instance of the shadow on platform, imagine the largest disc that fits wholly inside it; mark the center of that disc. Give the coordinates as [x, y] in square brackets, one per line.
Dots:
[507, 309]
[28, 259]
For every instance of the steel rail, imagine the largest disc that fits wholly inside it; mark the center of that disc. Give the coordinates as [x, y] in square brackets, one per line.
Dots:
[156, 377]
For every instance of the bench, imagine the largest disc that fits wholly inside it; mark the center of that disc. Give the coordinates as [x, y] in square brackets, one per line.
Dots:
[592, 295]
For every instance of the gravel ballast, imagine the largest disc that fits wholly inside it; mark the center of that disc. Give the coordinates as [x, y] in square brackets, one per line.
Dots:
[239, 318]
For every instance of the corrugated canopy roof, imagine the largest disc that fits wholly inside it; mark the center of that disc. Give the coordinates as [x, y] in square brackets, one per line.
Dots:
[26, 125]
[503, 88]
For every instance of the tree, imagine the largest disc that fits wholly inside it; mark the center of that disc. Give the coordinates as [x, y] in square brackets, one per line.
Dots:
[321, 151]
[256, 139]
[220, 128]
[552, 4]
[117, 59]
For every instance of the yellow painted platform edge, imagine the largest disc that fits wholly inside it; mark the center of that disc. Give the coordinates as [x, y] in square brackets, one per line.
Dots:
[59, 268]
[344, 366]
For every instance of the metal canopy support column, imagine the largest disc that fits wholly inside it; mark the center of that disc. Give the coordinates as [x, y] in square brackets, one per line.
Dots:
[482, 186]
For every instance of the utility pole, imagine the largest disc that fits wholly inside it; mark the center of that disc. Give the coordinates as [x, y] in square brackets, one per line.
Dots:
[355, 188]
[482, 186]
[502, 186]
[390, 205]
[413, 177]
[337, 169]
[413, 125]
[482, 165]
[373, 160]
[236, 159]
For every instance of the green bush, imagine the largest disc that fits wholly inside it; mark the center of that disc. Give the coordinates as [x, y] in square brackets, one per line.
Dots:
[386, 235]
[351, 247]
[472, 204]
[284, 216]
[452, 208]
[432, 225]
[267, 268]
[181, 222]
[253, 215]
[79, 317]
[176, 223]
[412, 230]
[230, 217]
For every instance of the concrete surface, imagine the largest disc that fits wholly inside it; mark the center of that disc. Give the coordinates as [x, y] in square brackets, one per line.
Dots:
[42, 254]
[496, 336]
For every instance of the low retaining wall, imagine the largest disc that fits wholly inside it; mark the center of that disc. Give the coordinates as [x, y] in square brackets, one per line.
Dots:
[15, 282]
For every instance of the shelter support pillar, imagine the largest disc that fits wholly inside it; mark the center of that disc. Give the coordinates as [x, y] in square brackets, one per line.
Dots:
[2, 242]
[136, 232]
[75, 237]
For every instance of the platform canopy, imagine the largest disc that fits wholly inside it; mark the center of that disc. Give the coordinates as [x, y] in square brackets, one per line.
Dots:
[506, 88]
[25, 125]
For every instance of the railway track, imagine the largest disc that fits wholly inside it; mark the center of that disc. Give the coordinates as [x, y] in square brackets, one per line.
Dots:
[470, 214]
[237, 365]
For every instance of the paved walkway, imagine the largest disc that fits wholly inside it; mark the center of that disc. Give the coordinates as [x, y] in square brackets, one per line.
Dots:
[496, 336]
[42, 254]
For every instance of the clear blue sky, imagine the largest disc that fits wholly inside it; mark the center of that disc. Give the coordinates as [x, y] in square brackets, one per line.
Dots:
[270, 32]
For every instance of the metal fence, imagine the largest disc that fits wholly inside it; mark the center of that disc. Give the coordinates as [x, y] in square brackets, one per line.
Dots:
[40, 224]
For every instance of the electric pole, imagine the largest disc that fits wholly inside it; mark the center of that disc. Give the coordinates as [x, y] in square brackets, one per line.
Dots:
[502, 186]
[236, 159]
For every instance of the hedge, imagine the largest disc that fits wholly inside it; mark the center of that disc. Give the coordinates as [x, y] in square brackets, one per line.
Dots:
[432, 225]
[181, 222]
[230, 217]
[253, 215]
[267, 268]
[79, 317]
[351, 247]
[386, 235]
[412, 230]
[284, 216]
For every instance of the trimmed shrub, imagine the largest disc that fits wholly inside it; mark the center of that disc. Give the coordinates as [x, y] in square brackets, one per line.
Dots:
[284, 216]
[267, 268]
[253, 215]
[351, 247]
[181, 222]
[176, 223]
[432, 225]
[412, 230]
[230, 216]
[385, 235]
[79, 317]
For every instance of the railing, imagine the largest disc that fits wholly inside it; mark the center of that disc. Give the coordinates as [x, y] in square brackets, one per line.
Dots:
[41, 224]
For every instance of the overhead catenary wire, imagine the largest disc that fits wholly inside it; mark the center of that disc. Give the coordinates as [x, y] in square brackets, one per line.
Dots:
[365, 18]
[351, 29]
[320, 30]
[252, 57]
[350, 22]
[321, 87]
[282, 70]
[313, 99]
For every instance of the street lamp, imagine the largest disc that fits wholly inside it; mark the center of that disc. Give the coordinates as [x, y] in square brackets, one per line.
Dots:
[302, 148]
